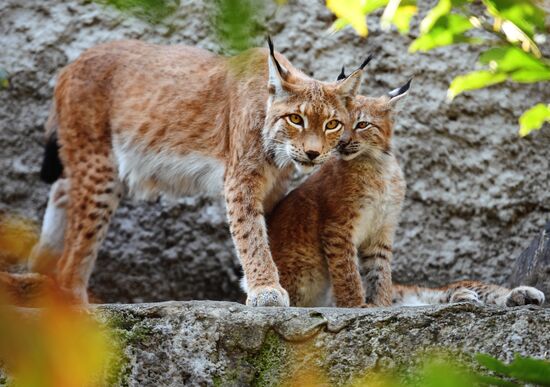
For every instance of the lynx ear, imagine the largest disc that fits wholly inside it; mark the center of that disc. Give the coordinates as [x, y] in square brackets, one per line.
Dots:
[277, 73]
[350, 85]
[396, 94]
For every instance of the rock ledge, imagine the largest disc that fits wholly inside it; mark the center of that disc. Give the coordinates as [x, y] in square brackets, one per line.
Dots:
[222, 343]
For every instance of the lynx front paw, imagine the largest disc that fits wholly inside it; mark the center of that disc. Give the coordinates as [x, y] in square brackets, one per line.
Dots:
[267, 296]
[523, 295]
[465, 295]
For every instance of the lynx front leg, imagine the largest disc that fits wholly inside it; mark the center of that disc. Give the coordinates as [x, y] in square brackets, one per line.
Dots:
[375, 261]
[341, 256]
[244, 194]
[93, 197]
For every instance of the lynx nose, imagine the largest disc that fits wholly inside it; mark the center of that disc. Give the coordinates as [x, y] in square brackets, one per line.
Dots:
[344, 140]
[312, 154]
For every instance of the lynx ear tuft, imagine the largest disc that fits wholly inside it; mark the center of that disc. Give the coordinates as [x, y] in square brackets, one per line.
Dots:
[342, 75]
[366, 61]
[396, 94]
[277, 73]
[350, 85]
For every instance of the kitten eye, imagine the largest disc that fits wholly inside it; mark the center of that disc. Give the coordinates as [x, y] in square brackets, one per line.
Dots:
[295, 119]
[362, 125]
[332, 126]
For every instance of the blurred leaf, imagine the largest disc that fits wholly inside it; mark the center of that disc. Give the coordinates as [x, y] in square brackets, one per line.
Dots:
[4, 82]
[57, 345]
[523, 13]
[238, 23]
[474, 80]
[403, 15]
[485, 380]
[491, 363]
[352, 12]
[153, 11]
[389, 13]
[448, 29]
[17, 238]
[533, 119]
[510, 58]
[442, 8]
[518, 64]
[445, 374]
[524, 368]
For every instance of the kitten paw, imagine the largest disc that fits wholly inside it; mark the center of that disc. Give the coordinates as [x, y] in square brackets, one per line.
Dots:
[523, 295]
[465, 295]
[268, 296]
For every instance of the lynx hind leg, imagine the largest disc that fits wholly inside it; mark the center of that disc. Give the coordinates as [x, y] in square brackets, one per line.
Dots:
[524, 295]
[48, 250]
[94, 195]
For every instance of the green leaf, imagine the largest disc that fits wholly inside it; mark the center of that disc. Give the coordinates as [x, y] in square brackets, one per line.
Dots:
[442, 8]
[4, 82]
[485, 380]
[474, 80]
[524, 368]
[492, 363]
[511, 58]
[403, 15]
[237, 23]
[447, 30]
[153, 11]
[523, 13]
[352, 12]
[533, 119]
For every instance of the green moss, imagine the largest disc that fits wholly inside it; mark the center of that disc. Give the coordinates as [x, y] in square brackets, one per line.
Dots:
[126, 330]
[270, 361]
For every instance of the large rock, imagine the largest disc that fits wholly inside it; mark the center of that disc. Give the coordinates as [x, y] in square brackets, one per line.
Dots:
[227, 344]
[476, 194]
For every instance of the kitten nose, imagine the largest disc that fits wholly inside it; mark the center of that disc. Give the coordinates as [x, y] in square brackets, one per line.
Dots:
[312, 154]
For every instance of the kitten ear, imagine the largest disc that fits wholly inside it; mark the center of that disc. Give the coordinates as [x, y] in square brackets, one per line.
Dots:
[350, 85]
[396, 94]
[277, 73]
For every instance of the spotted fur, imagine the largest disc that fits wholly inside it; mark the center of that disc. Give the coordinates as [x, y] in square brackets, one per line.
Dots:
[467, 291]
[342, 219]
[176, 120]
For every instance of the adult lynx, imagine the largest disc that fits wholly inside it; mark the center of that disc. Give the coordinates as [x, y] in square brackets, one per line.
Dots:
[180, 120]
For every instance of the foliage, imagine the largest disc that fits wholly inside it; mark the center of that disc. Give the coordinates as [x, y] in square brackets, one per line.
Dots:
[436, 371]
[509, 28]
[58, 345]
[4, 82]
[238, 23]
[153, 11]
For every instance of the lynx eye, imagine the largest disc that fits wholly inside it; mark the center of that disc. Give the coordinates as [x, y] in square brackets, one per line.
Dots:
[295, 119]
[362, 125]
[332, 126]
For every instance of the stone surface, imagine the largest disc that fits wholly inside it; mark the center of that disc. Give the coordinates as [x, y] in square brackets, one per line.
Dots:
[477, 193]
[221, 343]
[533, 265]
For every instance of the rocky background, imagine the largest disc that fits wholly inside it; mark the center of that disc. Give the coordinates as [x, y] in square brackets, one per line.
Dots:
[477, 192]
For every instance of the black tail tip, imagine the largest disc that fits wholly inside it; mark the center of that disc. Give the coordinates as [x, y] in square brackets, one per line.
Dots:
[52, 168]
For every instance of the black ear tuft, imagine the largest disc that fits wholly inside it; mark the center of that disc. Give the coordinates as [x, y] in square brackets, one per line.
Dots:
[270, 44]
[366, 61]
[342, 75]
[272, 54]
[400, 90]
